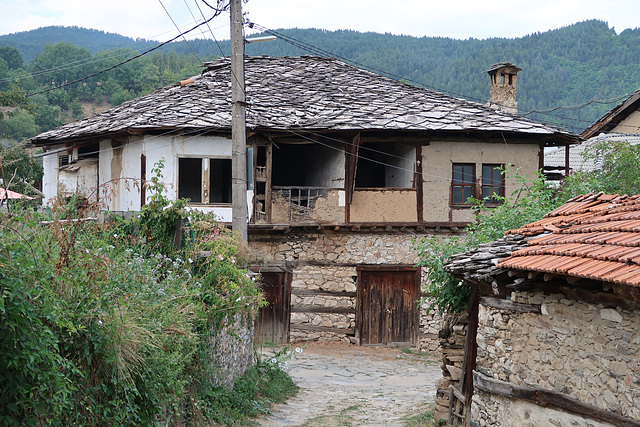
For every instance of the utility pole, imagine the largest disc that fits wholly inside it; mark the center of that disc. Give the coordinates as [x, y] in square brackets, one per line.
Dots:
[238, 125]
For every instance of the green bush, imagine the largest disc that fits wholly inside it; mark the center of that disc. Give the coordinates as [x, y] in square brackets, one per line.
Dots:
[99, 328]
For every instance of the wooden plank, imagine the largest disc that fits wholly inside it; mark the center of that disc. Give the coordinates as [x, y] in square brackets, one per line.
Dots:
[320, 292]
[457, 394]
[418, 184]
[322, 329]
[320, 309]
[508, 305]
[351, 165]
[268, 192]
[550, 398]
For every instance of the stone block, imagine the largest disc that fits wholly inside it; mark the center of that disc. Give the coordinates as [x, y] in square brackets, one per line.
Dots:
[610, 314]
[455, 372]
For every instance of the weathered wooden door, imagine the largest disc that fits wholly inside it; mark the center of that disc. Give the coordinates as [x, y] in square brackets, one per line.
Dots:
[387, 305]
[273, 321]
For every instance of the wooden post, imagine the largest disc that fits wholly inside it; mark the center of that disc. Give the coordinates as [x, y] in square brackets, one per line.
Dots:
[238, 125]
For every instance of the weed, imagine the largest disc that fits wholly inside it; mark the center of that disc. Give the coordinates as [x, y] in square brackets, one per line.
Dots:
[424, 419]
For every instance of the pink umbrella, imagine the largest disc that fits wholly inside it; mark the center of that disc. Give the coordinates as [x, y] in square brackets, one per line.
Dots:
[8, 194]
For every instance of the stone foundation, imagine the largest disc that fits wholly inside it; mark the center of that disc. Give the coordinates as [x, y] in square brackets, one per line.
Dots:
[323, 267]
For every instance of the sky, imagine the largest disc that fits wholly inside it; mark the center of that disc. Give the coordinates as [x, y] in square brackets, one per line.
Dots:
[459, 19]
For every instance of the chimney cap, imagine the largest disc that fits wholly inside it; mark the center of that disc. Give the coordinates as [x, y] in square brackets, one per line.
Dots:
[501, 65]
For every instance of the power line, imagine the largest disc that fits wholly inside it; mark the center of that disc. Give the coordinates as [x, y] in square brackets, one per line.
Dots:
[182, 34]
[209, 27]
[123, 62]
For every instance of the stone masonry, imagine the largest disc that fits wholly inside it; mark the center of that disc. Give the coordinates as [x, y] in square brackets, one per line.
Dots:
[326, 261]
[584, 350]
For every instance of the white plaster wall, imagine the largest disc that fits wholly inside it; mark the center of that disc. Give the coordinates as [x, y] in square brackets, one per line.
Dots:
[50, 178]
[437, 160]
[81, 178]
[332, 174]
[123, 193]
[401, 175]
[629, 125]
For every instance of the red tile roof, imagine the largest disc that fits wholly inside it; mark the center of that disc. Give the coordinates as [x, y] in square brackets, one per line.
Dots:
[595, 236]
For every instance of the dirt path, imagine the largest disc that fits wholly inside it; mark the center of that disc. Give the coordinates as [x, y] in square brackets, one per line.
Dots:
[346, 385]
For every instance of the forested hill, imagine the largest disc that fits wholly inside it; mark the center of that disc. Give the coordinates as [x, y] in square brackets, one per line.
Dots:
[580, 64]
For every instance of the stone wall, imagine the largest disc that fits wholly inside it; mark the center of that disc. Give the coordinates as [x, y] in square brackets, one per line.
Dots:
[510, 412]
[231, 350]
[324, 274]
[586, 351]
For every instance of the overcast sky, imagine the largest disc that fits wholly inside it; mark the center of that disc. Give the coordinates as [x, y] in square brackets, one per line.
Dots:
[458, 19]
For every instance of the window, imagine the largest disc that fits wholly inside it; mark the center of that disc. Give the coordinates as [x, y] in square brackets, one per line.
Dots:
[204, 180]
[463, 183]
[384, 165]
[492, 183]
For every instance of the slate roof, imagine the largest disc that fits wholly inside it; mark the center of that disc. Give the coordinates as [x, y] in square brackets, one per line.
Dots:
[301, 93]
[614, 116]
[591, 236]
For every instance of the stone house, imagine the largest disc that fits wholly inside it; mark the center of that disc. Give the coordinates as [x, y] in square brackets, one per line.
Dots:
[554, 319]
[347, 168]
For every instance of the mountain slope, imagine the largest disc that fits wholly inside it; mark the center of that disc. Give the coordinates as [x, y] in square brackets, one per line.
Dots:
[567, 67]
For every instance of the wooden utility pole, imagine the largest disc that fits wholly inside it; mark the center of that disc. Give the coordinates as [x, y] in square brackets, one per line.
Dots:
[238, 125]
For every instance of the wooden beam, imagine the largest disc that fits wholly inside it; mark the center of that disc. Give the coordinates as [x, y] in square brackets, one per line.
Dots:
[320, 309]
[419, 184]
[550, 398]
[321, 329]
[315, 293]
[503, 304]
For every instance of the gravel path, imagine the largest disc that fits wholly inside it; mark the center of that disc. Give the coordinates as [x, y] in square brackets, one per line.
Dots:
[347, 385]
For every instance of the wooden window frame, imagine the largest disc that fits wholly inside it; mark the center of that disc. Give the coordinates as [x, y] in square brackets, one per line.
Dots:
[464, 184]
[205, 178]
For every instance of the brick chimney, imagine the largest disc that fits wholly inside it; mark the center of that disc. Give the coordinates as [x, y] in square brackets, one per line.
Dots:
[502, 93]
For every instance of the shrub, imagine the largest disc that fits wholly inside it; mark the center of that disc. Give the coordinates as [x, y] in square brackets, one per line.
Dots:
[100, 330]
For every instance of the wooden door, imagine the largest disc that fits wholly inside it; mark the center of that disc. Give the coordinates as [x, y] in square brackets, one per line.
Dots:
[272, 324]
[387, 305]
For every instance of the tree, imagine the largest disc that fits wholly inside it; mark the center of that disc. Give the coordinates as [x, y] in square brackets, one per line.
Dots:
[20, 171]
[61, 63]
[11, 56]
[20, 124]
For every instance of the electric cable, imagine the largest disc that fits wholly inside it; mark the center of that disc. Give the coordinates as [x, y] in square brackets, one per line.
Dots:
[123, 62]
[182, 34]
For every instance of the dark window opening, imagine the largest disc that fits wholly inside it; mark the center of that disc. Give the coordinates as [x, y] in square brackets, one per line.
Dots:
[307, 165]
[492, 183]
[369, 174]
[463, 183]
[91, 150]
[63, 160]
[190, 179]
[291, 164]
[383, 165]
[220, 180]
